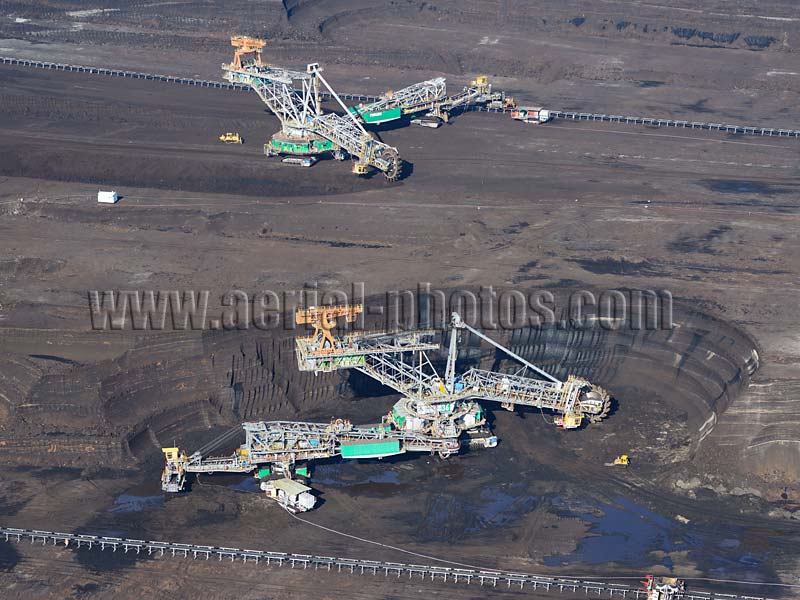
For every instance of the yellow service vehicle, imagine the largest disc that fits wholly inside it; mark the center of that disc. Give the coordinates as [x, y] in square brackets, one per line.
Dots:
[623, 460]
[231, 138]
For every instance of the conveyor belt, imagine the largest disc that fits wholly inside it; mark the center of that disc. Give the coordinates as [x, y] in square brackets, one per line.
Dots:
[221, 85]
[555, 114]
[350, 566]
[655, 122]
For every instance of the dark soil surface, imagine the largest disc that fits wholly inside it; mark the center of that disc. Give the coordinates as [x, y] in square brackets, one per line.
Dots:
[706, 409]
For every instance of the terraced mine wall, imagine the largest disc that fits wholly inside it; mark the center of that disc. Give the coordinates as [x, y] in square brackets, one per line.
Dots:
[181, 387]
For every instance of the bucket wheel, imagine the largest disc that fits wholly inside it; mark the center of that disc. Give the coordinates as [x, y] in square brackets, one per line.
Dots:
[598, 394]
[392, 163]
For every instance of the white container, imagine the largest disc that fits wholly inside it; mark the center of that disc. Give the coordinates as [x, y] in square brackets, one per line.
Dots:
[107, 197]
[307, 161]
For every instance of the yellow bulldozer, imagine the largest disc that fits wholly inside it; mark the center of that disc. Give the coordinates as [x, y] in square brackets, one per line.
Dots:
[231, 138]
[622, 460]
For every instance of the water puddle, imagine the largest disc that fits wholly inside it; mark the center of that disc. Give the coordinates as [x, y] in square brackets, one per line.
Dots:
[248, 484]
[496, 507]
[626, 533]
[128, 503]
[744, 186]
[384, 483]
[348, 474]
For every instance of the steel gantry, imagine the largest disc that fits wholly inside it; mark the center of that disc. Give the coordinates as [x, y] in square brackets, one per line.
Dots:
[294, 97]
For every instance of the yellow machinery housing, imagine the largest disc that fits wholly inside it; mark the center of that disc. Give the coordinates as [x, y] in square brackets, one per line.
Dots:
[174, 475]
[247, 45]
[481, 82]
[568, 421]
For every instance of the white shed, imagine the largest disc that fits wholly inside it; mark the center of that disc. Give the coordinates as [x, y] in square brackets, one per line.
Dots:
[107, 197]
[292, 495]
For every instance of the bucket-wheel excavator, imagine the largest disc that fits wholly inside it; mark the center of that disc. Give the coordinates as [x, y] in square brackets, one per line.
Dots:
[434, 402]
[437, 412]
[293, 96]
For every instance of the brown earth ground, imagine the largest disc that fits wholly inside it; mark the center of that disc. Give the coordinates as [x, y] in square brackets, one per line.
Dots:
[706, 410]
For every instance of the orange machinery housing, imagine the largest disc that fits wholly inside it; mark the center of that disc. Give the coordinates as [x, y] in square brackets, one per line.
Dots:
[246, 45]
